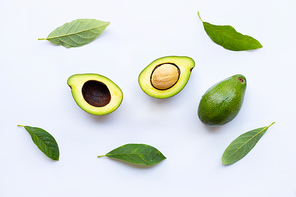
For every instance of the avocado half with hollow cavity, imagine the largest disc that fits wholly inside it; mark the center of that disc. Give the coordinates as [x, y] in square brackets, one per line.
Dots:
[166, 76]
[95, 93]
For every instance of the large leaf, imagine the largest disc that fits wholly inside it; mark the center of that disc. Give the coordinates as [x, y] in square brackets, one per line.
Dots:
[137, 153]
[44, 141]
[242, 145]
[77, 33]
[229, 38]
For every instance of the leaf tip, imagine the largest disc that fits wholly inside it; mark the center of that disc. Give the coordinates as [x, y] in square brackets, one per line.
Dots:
[226, 162]
[259, 45]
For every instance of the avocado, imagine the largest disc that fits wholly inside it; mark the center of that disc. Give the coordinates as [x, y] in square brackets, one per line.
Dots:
[95, 93]
[222, 102]
[166, 76]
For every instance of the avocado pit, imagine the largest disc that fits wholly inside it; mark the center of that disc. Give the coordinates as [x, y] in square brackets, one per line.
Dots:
[96, 93]
[165, 76]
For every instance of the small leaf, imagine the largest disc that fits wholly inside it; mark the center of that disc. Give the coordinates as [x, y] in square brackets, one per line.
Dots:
[137, 153]
[227, 37]
[44, 141]
[77, 33]
[242, 145]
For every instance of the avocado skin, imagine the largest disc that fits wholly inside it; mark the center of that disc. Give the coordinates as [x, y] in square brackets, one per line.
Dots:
[222, 102]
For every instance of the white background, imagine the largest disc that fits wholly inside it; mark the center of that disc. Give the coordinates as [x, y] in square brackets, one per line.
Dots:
[34, 92]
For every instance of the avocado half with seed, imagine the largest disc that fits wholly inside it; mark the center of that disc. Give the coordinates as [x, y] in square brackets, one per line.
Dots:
[95, 93]
[166, 76]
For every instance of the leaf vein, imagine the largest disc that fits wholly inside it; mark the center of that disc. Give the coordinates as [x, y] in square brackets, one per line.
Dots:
[65, 35]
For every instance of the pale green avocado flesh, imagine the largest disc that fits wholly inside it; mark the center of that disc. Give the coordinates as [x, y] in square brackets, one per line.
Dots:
[95, 93]
[172, 74]
[222, 102]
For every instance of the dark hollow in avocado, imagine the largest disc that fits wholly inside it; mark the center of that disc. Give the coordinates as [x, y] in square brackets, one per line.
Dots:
[96, 93]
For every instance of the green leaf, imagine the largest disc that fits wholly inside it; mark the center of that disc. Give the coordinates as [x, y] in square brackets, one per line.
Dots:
[229, 38]
[137, 153]
[242, 145]
[77, 33]
[44, 141]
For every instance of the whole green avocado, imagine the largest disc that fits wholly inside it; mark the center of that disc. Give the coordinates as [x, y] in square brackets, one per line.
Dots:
[222, 102]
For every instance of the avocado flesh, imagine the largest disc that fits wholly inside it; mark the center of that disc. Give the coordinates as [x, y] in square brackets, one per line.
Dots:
[184, 66]
[95, 93]
[222, 102]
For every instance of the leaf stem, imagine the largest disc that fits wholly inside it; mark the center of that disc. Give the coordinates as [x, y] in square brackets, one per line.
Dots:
[199, 16]
[42, 38]
[270, 125]
[101, 156]
[20, 125]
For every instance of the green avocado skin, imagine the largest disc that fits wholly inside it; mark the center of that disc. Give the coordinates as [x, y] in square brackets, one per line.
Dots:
[222, 102]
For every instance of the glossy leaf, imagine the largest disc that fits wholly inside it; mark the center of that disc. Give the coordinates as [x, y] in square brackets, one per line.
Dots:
[137, 154]
[227, 37]
[77, 33]
[242, 145]
[44, 141]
